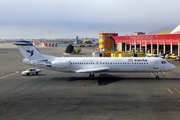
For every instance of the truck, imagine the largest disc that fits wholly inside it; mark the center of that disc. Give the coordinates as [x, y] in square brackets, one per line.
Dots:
[31, 71]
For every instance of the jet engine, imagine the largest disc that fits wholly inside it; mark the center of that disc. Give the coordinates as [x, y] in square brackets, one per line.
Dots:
[61, 64]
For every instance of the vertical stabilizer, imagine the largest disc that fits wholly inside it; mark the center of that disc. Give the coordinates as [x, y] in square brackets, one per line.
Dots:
[28, 50]
[176, 30]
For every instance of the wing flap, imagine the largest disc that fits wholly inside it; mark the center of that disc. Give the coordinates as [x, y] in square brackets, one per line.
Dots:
[93, 70]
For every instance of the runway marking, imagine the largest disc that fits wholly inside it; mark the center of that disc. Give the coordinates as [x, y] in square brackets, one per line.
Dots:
[173, 73]
[169, 90]
[177, 90]
[166, 74]
[9, 75]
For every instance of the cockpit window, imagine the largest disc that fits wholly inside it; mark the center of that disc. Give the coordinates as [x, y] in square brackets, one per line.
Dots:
[163, 62]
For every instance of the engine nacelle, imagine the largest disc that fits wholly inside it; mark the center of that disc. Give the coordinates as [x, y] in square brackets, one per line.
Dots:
[61, 64]
[27, 61]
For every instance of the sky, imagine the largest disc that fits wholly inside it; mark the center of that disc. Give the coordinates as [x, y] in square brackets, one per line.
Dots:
[53, 19]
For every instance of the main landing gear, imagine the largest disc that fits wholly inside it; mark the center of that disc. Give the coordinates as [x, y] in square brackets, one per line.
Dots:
[91, 76]
[157, 77]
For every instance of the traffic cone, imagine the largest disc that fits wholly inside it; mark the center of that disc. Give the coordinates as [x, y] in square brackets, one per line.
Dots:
[83, 84]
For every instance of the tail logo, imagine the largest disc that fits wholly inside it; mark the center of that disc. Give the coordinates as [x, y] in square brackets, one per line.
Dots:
[31, 52]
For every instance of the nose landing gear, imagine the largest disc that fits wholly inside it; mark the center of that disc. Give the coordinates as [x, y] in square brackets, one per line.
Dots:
[157, 77]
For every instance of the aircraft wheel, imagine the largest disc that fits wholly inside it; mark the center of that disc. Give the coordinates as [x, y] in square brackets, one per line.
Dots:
[91, 76]
[157, 77]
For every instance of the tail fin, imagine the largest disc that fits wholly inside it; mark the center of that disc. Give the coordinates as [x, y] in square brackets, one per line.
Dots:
[29, 51]
[176, 30]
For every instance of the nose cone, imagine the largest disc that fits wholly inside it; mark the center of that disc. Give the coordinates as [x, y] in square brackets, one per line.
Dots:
[172, 67]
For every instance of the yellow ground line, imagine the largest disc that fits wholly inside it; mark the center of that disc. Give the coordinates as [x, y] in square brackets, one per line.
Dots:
[177, 90]
[169, 90]
[151, 73]
[173, 73]
[166, 74]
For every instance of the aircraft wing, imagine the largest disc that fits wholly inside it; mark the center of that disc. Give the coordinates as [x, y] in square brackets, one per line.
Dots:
[102, 69]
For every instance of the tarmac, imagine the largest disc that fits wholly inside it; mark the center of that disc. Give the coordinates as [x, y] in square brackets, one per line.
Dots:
[54, 95]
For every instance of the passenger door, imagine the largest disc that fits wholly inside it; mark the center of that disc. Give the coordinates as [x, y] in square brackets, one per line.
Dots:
[156, 65]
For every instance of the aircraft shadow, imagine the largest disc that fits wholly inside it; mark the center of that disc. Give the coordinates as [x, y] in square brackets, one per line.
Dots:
[37, 75]
[105, 79]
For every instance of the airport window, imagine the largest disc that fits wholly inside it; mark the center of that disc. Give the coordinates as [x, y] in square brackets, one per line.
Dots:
[108, 43]
[101, 43]
[108, 37]
[101, 37]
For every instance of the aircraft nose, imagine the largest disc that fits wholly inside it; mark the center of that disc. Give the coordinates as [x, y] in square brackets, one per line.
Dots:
[172, 67]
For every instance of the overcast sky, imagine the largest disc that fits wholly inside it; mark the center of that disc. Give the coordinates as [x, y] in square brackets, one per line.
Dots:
[85, 18]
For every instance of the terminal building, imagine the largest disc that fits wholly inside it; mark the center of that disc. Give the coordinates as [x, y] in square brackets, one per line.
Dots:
[149, 44]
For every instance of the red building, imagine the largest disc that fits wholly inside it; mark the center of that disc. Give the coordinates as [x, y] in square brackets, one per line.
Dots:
[162, 43]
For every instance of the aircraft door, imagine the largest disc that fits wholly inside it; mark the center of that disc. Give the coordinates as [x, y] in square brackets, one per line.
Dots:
[156, 65]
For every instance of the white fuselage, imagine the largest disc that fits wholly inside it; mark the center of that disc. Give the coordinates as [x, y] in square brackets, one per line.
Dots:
[86, 64]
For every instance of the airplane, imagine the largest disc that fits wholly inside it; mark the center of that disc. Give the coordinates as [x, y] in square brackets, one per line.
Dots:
[92, 65]
[95, 42]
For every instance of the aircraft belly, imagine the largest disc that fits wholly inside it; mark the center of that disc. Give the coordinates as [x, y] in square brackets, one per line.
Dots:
[143, 69]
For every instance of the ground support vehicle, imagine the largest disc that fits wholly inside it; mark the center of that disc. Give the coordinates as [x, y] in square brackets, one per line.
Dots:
[31, 71]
